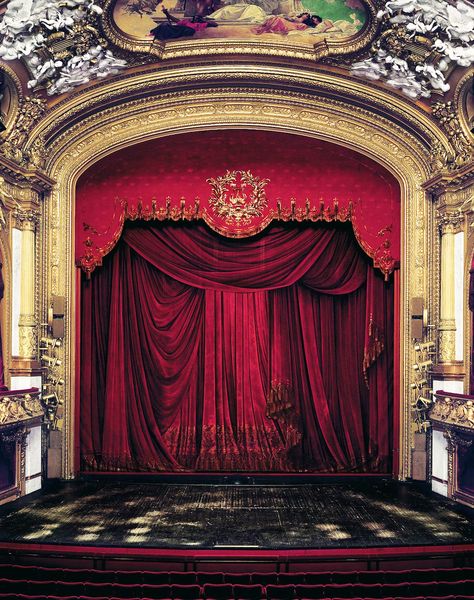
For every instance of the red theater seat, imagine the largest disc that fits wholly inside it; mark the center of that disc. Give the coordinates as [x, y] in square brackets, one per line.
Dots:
[241, 578]
[126, 577]
[182, 577]
[342, 578]
[216, 591]
[161, 578]
[156, 591]
[248, 592]
[288, 578]
[16, 586]
[318, 578]
[344, 590]
[211, 577]
[280, 592]
[309, 591]
[265, 578]
[192, 592]
[370, 577]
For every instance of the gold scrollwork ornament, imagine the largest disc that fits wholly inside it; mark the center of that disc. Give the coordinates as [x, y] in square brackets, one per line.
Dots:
[238, 197]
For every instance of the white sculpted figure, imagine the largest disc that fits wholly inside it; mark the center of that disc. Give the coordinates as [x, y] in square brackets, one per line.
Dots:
[454, 27]
[22, 17]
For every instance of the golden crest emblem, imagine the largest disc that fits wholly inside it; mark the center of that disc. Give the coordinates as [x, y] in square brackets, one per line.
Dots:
[238, 197]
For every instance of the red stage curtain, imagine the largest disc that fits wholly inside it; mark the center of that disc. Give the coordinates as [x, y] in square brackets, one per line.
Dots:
[267, 353]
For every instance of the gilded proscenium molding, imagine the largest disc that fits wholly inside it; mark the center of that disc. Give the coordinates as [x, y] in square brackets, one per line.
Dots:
[231, 47]
[18, 408]
[220, 82]
[421, 387]
[76, 143]
[453, 196]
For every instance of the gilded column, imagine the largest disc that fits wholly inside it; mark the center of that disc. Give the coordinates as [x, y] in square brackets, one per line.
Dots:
[26, 221]
[449, 225]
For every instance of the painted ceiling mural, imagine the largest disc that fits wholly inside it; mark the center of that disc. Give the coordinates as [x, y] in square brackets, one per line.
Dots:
[297, 21]
[409, 45]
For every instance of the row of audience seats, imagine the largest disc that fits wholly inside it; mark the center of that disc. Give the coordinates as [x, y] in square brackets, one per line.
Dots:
[33, 583]
[33, 573]
[212, 591]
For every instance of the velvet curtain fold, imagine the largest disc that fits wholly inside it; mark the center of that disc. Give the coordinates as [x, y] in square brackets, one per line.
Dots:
[205, 353]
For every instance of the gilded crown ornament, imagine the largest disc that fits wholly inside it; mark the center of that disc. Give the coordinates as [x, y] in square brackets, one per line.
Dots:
[238, 197]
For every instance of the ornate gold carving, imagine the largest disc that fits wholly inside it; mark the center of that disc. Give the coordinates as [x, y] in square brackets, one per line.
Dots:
[18, 408]
[31, 110]
[453, 411]
[28, 338]
[238, 197]
[25, 220]
[450, 222]
[447, 341]
[448, 117]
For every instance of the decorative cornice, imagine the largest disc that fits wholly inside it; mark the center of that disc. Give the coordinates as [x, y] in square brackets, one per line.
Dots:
[454, 180]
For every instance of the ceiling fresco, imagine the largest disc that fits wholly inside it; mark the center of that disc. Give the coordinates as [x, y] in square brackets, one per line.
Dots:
[295, 21]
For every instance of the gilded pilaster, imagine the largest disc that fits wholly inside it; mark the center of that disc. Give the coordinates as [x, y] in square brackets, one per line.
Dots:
[27, 221]
[450, 224]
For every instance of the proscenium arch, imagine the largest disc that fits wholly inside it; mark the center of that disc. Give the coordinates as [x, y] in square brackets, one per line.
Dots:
[121, 124]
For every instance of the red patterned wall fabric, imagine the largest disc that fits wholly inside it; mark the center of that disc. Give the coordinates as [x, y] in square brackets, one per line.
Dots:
[168, 178]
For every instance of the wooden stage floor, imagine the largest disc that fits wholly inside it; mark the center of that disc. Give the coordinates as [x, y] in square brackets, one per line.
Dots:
[355, 513]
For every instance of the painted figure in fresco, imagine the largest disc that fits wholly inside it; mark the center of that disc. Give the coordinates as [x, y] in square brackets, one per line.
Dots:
[240, 13]
[284, 25]
[177, 28]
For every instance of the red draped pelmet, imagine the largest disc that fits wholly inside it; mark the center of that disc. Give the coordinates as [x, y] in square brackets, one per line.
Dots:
[202, 353]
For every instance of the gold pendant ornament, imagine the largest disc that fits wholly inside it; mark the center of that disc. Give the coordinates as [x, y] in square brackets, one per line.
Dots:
[238, 197]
